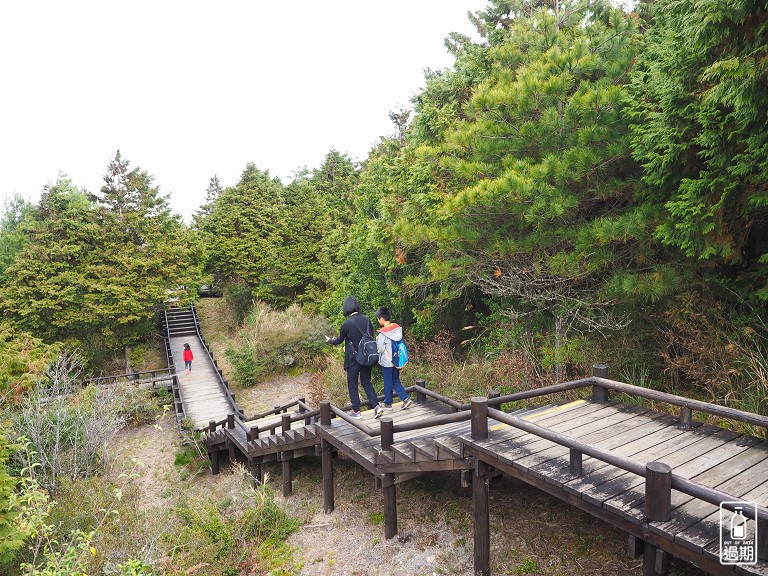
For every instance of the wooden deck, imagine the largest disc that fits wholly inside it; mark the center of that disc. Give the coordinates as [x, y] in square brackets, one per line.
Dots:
[714, 457]
[203, 398]
[658, 477]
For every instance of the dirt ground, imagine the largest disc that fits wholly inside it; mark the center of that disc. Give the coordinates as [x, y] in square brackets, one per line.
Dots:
[531, 532]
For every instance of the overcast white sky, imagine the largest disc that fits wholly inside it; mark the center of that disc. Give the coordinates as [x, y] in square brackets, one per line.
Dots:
[189, 89]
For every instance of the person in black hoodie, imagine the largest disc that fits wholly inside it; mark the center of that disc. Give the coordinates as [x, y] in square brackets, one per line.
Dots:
[351, 332]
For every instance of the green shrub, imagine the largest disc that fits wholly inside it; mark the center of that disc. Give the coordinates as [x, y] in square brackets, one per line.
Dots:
[271, 340]
[23, 360]
[11, 538]
[136, 405]
[233, 537]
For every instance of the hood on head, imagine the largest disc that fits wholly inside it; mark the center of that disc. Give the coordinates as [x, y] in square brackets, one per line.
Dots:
[350, 305]
[393, 331]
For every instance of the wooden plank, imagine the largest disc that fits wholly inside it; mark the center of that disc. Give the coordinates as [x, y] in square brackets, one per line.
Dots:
[634, 445]
[449, 446]
[403, 452]
[363, 454]
[639, 426]
[560, 476]
[599, 492]
[383, 457]
[749, 486]
[631, 502]
[628, 487]
[591, 414]
[729, 476]
[424, 450]
[592, 431]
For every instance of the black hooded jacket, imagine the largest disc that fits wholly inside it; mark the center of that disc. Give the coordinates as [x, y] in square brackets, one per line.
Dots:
[352, 330]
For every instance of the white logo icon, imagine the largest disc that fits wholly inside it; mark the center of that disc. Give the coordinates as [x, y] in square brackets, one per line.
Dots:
[738, 533]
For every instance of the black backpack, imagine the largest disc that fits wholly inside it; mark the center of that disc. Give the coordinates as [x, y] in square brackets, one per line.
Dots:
[367, 353]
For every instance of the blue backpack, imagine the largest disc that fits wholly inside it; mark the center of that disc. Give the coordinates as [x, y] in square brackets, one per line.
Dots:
[399, 354]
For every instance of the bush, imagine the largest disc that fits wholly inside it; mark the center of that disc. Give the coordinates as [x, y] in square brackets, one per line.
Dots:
[270, 340]
[11, 539]
[23, 359]
[66, 426]
[241, 536]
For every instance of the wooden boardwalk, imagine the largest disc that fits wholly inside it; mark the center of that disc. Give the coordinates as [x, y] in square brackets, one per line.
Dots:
[660, 478]
[202, 395]
[437, 434]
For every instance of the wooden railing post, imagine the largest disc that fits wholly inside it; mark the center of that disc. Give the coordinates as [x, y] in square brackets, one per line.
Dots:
[685, 417]
[387, 433]
[213, 455]
[325, 412]
[211, 425]
[327, 466]
[420, 396]
[599, 393]
[575, 463]
[230, 421]
[287, 459]
[479, 418]
[253, 433]
[658, 491]
[389, 490]
[655, 561]
[762, 539]
[482, 533]
[285, 422]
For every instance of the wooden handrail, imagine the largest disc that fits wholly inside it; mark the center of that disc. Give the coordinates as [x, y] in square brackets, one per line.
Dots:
[714, 409]
[526, 394]
[128, 376]
[678, 482]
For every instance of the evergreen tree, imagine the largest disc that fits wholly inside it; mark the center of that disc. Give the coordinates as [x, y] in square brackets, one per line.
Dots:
[701, 132]
[533, 184]
[242, 231]
[95, 269]
[213, 191]
[11, 240]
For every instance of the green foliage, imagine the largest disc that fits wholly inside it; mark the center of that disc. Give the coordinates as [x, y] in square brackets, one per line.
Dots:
[700, 114]
[528, 566]
[241, 231]
[93, 269]
[270, 341]
[212, 535]
[136, 405]
[11, 538]
[12, 214]
[23, 360]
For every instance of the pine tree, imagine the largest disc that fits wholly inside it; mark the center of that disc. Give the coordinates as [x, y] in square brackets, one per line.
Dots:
[532, 193]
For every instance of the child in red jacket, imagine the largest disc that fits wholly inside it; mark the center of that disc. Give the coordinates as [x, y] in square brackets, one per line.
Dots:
[188, 358]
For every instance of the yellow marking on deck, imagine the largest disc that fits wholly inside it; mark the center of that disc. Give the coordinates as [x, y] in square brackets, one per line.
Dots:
[550, 411]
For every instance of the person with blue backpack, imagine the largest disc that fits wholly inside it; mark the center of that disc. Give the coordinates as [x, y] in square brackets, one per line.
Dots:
[392, 357]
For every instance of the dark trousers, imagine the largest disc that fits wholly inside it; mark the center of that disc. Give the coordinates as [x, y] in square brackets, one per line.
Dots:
[364, 374]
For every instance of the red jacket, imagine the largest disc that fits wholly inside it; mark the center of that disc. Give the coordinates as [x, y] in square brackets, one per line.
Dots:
[188, 355]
